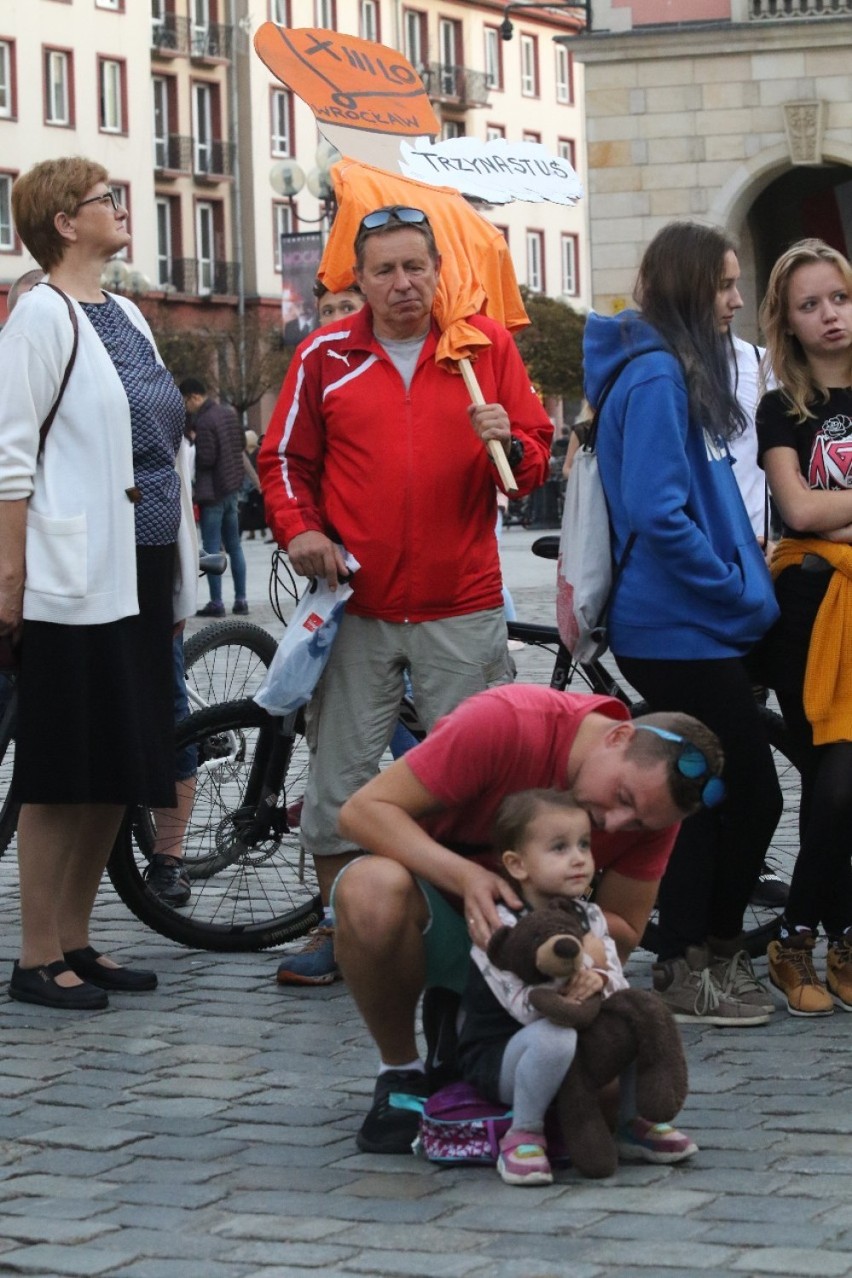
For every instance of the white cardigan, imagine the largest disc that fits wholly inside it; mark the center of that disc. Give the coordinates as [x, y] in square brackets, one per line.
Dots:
[80, 548]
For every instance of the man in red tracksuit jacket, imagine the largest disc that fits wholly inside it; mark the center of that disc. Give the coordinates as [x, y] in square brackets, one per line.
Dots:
[375, 446]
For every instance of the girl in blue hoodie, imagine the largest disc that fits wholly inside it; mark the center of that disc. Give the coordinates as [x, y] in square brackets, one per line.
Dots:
[694, 596]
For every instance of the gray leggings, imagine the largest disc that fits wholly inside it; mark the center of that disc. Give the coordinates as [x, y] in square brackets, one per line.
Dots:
[535, 1061]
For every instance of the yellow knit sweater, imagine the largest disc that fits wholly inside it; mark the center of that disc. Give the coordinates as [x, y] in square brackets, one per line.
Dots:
[828, 678]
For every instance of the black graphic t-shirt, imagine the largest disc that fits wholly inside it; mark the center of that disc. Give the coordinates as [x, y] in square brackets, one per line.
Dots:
[823, 443]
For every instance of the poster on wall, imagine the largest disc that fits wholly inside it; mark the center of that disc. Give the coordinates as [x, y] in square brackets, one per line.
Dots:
[300, 258]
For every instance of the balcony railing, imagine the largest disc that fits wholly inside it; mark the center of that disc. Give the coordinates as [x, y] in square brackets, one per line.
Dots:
[174, 34]
[776, 10]
[212, 41]
[188, 275]
[173, 154]
[213, 160]
[459, 85]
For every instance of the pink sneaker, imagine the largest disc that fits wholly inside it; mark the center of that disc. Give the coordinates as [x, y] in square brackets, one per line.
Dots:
[523, 1160]
[642, 1142]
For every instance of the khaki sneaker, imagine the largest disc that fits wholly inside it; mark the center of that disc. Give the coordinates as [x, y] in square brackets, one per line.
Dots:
[838, 976]
[791, 970]
[692, 994]
[734, 974]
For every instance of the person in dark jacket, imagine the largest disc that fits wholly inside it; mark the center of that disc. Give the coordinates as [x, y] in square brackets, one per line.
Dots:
[219, 471]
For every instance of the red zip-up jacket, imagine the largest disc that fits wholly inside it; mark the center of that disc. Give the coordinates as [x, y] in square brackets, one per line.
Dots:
[399, 477]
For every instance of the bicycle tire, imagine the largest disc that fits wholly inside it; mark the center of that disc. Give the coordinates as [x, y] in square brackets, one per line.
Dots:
[245, 896]
[760, 924]
[227, 660]
[8, 810]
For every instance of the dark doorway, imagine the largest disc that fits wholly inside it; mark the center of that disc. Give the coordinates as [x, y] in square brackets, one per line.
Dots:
[802, 202]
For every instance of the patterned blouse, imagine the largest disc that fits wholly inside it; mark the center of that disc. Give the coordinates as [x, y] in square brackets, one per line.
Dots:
[157, 418]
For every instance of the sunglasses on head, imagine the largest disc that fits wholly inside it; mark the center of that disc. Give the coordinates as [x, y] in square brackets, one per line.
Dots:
[692, 764]
[399, 213]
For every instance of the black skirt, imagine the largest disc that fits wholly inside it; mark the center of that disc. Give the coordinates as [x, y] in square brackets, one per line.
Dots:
[96, 703]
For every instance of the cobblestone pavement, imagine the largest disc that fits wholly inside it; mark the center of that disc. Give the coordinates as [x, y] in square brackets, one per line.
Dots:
[206, 1131]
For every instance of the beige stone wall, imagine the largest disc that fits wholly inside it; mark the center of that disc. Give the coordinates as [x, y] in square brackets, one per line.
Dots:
[692, 124]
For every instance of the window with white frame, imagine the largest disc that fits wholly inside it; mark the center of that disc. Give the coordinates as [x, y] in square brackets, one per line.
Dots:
[529, 136]
[535, 261]
[7, 97]
[117, 6]
[529, 66]
[282, 224]
[493, 132]
[162, 114]
[200, 18]
[452, 129]
[566, 149]
[415, 38]
[122, 194]
[205, 239]
[57, 75]
[368, 20]
[279, 11]
[449, 45]
[493, 58]
[570, 264]
[7, 229]
[111, 95]
[325, 14]
[564, 75]
[202, 132]
[165, 258]
[280, 104]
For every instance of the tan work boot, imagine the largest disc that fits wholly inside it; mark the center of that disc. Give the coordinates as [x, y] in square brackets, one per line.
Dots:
[791, 970]
[838, 976]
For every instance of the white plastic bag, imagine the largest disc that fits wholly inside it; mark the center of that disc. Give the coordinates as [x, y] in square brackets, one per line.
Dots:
[305, 647]
[584, 571]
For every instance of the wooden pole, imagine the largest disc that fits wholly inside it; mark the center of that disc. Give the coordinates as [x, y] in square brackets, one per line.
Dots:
[495, 448]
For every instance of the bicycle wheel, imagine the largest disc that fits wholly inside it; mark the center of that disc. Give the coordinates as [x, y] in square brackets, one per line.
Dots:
[226, 661]
[8, 809]
[250, 890]
[760, 924]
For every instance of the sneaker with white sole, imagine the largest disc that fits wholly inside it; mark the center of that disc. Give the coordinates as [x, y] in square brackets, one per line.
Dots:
[642, 1142]
[692, 994]
[735, 977]
[314, 964]
[523, 1159]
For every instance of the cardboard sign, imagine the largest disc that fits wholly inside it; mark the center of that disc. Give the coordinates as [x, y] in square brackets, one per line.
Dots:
[348, 81]
[497, 171]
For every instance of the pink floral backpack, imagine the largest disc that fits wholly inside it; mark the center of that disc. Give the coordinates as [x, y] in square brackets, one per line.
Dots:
[459, 1126]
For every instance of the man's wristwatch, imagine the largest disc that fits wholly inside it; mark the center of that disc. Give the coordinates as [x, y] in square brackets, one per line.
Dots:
[515, 454]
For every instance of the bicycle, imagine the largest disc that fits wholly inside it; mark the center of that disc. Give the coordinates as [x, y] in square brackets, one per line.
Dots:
[252, 889]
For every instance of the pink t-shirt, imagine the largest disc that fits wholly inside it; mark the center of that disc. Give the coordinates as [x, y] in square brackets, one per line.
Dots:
[519, 737]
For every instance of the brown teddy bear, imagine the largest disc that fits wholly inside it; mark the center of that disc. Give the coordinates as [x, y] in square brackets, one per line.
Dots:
[629, 1026]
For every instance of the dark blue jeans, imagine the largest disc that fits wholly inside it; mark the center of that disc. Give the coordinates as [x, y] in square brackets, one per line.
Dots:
[220, 527]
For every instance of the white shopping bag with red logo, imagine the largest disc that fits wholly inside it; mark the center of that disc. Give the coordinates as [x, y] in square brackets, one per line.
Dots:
[305, 648]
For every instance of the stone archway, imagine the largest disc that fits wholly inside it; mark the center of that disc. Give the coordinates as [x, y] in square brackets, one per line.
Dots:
[769, 203]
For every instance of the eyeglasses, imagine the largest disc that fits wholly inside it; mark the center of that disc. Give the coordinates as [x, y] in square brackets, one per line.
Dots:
[100, 199]
[692, 764]
[399, 213]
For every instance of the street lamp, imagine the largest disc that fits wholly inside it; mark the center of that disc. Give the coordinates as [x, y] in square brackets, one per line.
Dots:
[288, 179]
[506, 28]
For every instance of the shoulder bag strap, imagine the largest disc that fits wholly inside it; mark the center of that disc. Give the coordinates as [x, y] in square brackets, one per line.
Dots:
[48, 421]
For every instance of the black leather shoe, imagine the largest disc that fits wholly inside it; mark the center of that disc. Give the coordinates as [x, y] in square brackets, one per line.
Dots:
[38, 985]
[85, 963]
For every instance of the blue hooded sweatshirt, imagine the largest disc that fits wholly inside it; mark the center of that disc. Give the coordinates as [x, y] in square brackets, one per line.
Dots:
[695, 586]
